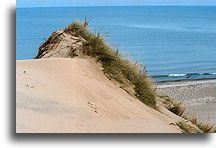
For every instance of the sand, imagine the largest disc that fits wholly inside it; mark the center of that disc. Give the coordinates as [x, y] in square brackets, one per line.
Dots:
[198, 97]
[74, 96]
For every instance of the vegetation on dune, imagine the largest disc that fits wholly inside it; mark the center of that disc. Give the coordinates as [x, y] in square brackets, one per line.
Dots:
[175, 107]
[114, 65]
[178, 109]
[186, 128]
[205, 127]
[127, 74]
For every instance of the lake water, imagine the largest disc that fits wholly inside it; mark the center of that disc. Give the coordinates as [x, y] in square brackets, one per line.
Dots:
[172, 42]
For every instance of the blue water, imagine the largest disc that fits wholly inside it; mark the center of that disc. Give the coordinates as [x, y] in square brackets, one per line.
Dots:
[172, 42]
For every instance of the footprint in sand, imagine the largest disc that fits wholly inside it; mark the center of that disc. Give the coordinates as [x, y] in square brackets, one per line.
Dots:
[174, 124]
[27, 85]
[93, 106]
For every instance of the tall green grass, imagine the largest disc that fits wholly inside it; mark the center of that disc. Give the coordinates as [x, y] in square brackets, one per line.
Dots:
[117, 67]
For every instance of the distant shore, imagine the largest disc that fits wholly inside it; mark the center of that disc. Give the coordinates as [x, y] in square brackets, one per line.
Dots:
[198, 96]
[185, 80]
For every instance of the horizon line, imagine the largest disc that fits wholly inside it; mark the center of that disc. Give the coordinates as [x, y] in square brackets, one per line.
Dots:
[120, 6]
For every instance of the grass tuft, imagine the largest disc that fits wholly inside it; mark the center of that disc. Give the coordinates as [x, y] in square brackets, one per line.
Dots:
[173, 106]
[117, 67]
[186, 128]
[177, 109]
[205, 127]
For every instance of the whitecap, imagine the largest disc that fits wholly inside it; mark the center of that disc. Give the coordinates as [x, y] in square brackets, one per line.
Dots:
[177, 75]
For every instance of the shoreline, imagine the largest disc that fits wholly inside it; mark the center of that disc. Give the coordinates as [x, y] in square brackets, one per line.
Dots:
[183, 83]
[183, 80]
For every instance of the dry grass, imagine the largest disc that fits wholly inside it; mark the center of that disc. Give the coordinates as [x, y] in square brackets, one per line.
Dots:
[173, 106]
[205, 127]
[117, 67]
[177, 109]
[186, 128]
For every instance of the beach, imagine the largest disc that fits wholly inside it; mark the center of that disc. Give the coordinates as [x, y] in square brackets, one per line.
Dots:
[198, 97]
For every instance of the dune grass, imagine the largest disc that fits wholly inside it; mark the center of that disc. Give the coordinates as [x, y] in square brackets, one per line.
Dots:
[186, 128]
[205, 127]
[178, 109]
[114, 65]
[173, 106]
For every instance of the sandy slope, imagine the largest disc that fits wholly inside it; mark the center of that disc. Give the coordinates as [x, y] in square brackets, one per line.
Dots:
[73, 95]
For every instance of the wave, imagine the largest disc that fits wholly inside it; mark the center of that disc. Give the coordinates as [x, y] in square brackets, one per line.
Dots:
[182, 75]
[171, 27]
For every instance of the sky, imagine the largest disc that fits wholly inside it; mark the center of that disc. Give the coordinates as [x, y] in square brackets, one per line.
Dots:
[61, 3]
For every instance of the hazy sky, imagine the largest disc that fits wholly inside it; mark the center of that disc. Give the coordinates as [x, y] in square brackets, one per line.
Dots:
[57, 3]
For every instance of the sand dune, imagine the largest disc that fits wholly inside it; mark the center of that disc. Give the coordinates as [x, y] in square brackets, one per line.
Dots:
[73, 95]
